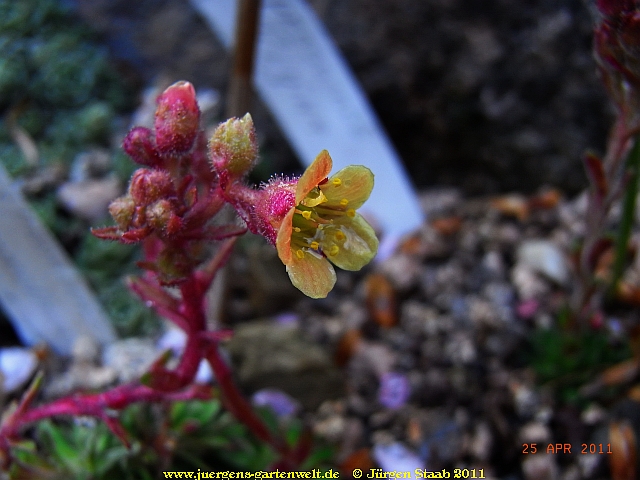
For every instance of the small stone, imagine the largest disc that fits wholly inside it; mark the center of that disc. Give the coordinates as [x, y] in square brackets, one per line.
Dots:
[593, 414]
[396, 457]
[91, 164]
[17, 365]
[544, 257]
[204, 374]
[377, 358]
[352, 437]
[494, 264]
[278, 401]
[85, 350]
[461, 349]
[173, 339]
[439, 200]
[524, 398]
[481, 442]
[381, 419]
[540, 467]
[572, 473]
[419, 319]
[331, 428]
[401, 270]
[130, 358]
[535, 432]
[527, 283]
[268, 354]
[394, 390]
[89, 199]
[483, 313]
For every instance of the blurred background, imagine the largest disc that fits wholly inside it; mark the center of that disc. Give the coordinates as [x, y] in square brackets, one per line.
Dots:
[455, 347]
[489, 96]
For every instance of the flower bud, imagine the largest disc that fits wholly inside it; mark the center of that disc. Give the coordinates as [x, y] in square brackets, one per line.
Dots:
[147, 186]
[264, 209]
[161, 216]
[122, 210]
[233, 147]
[159, 213]
[177, 119]
[139, 145]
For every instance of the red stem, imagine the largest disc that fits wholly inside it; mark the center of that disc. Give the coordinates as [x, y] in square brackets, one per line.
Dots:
[240, 408]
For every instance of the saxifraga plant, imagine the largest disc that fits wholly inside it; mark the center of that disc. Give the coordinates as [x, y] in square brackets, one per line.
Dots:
[170, 208]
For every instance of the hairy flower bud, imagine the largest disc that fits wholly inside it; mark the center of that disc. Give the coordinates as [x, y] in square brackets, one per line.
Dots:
[161, 216]
[139, 145]
[147, 186]
[122, 210]
[159, 213]
[177, 119]
[233, 148]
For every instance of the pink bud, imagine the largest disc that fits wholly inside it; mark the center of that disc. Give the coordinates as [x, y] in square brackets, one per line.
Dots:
[147, 186]
[177, 119]
[233, 148]
[139, 145]
[274, 201]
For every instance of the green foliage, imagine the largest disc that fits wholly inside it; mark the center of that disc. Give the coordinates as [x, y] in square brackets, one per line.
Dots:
[628, 215]
[566, 359]
[184, 436]
[63, 226]
[51, 60]
[105, 265]
[79, 451]
[55, 80]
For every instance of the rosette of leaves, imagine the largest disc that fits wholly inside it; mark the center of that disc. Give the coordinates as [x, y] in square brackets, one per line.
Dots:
[55, 80]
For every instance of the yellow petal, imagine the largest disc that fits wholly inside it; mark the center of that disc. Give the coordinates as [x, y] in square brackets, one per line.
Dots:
[313, 276]
[359, 246]
[312, 176]
[283, 240]
[354, 186]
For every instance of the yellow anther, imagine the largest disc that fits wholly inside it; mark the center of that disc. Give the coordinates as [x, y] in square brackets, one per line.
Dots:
[314, 245]
[306, 214]
[334, 250]
[351, 213]
[344, 202]
[299, 254]
[340, 236]
[296, 229]
[336, 182]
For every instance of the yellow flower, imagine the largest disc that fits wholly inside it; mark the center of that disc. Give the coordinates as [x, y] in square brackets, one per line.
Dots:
[323, 225]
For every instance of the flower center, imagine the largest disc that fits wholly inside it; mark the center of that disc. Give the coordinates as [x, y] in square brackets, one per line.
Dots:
[315, 230]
